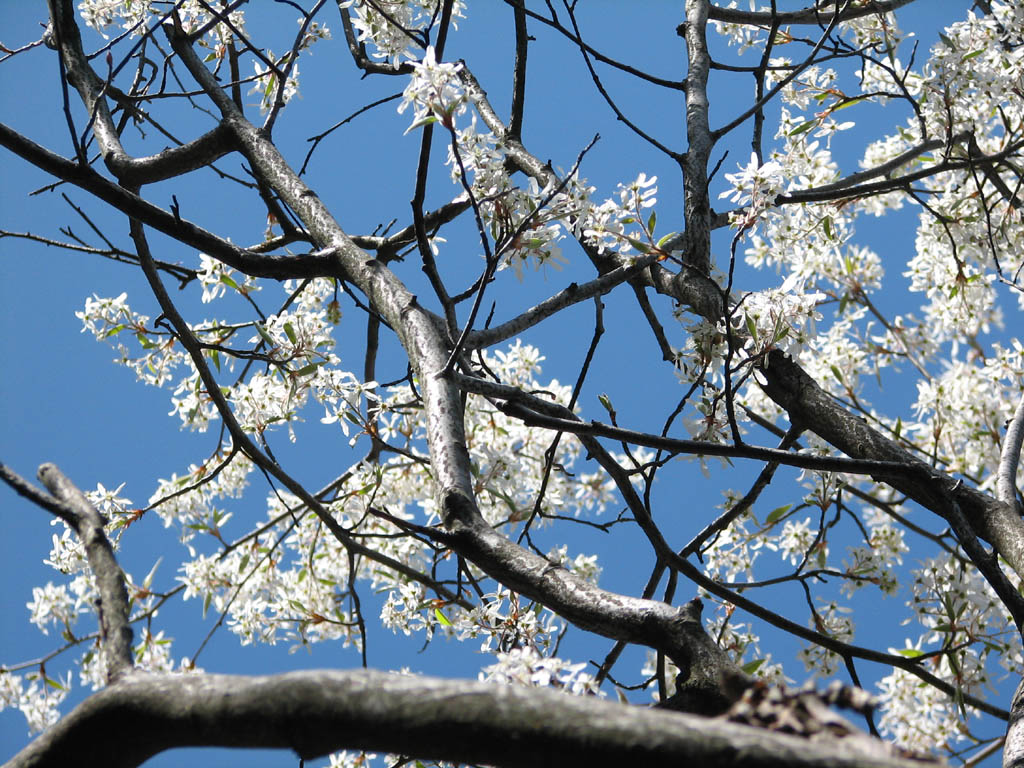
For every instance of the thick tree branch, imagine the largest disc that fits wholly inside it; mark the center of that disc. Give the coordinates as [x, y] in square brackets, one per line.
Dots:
[1013, 749]
[255, 264]
[811, 15]
[114, 615]
[1009, 457]
[44, 500]
[130, 170]
[696, 206]
[316, 712]
[807, 404]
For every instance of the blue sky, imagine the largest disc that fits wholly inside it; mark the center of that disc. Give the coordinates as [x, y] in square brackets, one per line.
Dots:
[62, 400]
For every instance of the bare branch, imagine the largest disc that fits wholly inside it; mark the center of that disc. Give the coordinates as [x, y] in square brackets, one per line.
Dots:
[1009, 458]
[114, 615]
[812, 15]
[566, 422]
[259, 265]
[696, 205]
[573, 294]
[134, 171]
[25, 489]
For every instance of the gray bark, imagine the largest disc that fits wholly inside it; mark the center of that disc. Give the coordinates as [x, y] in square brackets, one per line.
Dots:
[316, 712]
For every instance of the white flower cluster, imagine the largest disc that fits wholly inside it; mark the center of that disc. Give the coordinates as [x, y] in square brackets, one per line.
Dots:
[108, 318]
[612, 224]
[190, 501]
[435, 92]
[962, 411]
[962, 618]
[292, 582]
[38, 701]
[385, 24]
[755, 186]
[266, 82]
[526, 224]
[524, 666]
[832, 620]
[134, 15]
[744, 36]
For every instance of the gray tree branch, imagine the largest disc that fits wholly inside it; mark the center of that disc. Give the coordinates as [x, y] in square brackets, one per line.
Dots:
[1009, 457]
[696, 206]
[316, 712]
[113, 612]
[810, 15]
[93, 91]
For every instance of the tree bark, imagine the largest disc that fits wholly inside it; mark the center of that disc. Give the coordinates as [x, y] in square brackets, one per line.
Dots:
[317, 712]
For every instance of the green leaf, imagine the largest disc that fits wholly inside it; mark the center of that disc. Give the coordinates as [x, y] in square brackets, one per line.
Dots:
[442, 618]
[803, 128]
[215, 356]
[752, 666]
[909, 653]
[226, 279]
[776, 513]
[306, 370]
[837, 373]
[264, 335]
[751, 327]
[651, 221]
[53, 683]
[606, 402]
[640, 245]
[949, 43]
[829, 231]
[427, 120]
[666, 238]
[290, 333]
[846, 104]
[145, 342]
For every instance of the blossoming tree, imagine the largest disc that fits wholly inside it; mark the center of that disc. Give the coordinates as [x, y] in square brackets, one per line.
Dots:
[850, 419]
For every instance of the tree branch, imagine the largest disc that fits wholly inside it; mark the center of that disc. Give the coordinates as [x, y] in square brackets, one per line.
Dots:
[1009, 457]
[317, 712]
[519, 405]
[696, 206]
[92, 90]
[572, 294]
[114, 615]
[258, 265]
[812, 15]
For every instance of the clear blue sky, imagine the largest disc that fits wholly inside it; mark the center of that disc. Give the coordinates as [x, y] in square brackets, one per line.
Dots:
[62, 400]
